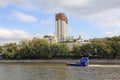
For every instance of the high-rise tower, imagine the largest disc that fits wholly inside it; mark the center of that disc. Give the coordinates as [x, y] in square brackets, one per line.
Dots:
[61, 28]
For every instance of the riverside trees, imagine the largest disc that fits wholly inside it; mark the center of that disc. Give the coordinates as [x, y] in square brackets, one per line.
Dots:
[115, 46]
[41, 49]
[107, 48]
[9, 50]
[34, 49]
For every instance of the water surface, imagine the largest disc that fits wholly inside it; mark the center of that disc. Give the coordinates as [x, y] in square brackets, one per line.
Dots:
[45, 71]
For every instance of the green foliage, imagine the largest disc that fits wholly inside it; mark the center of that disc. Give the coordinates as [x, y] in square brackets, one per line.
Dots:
[1, 49]
[10, 50]
[115, 46]
[41, 49]
[76, 50]
[86, 50]
[101, 48]
[59, 50]
[34, 49]
[106, 48]
[109, 48]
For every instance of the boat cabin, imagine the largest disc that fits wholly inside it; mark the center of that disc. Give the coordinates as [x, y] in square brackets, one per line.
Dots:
[84, 61]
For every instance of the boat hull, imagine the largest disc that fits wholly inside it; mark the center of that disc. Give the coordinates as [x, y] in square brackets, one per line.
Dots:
[84, 61]
[77, 65]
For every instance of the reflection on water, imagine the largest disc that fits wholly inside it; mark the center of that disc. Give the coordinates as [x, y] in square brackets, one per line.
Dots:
[49, 71]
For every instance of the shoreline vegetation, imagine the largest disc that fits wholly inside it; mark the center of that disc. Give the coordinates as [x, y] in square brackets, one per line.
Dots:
[64, 61]
[38, 49]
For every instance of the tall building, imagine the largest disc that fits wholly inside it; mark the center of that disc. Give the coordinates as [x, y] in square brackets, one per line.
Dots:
[61, 28]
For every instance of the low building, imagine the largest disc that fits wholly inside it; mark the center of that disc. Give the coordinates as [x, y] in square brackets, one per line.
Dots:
[80, 41]
[51, 39]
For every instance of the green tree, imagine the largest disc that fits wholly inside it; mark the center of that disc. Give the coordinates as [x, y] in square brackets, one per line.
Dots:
[10, 50]
[1, 49]
[34, 49]
[86, 50]
[76, 52]
[54, 50]
[115, 46]
[59, 50]
[101, 48]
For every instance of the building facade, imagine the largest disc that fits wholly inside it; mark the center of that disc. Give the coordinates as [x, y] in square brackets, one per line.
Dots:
[51, 39]
[61, 27]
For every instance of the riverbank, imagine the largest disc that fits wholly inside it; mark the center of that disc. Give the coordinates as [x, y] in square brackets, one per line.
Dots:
[92, 61]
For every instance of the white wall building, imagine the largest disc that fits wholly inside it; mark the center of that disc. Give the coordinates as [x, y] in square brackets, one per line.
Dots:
[61, 28]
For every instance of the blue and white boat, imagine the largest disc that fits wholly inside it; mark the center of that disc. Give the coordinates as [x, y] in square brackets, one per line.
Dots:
[84, 61]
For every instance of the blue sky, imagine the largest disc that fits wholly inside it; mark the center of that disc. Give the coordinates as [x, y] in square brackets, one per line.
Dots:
[24, 19]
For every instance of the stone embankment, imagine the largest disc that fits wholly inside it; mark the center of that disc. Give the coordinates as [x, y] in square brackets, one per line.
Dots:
[92, 61]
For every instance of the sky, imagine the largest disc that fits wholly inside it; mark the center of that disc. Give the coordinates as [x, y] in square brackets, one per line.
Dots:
[24, 19]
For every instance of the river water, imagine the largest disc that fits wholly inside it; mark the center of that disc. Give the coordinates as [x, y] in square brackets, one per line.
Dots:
[53, 71]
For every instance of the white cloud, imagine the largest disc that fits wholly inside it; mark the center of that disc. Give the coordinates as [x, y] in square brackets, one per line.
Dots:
[24, 4]
[24, 17]
[82, 7]
[14, 35]
[3, 3]
[112, 33]
[10, 35]
[109, 18]
[105, 12]
[109, 34]
[74, 3]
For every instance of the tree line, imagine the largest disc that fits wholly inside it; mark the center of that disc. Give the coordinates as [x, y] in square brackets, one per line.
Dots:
[108, 48]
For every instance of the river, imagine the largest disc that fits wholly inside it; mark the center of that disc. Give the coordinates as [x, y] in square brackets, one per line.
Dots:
[55, 71]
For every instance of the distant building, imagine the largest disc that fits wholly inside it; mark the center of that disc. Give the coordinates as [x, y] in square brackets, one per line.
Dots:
[80, 41]
[70, 38]
[61, 27]
[51, 39]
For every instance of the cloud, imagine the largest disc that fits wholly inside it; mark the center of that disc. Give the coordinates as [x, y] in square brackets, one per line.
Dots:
[24, 4]
[104, 12]
[109, 34]
[14, 35]
[3, 3]
[112, 33]
[81, 7]
[109, 18]
[24, 17]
